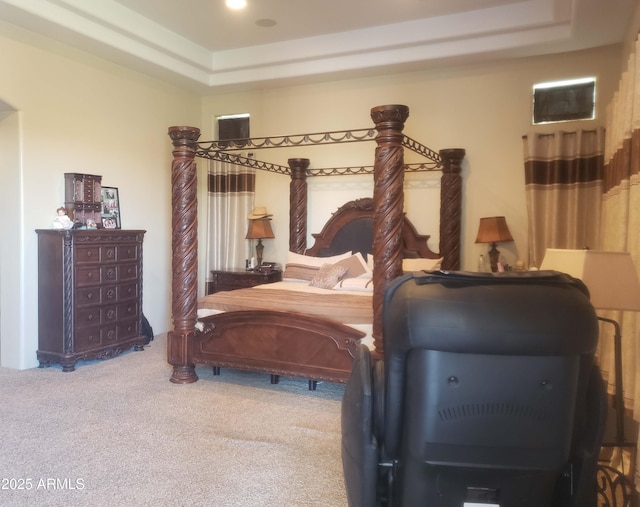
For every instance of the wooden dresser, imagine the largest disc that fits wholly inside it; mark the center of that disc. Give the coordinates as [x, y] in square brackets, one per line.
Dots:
[89, 294]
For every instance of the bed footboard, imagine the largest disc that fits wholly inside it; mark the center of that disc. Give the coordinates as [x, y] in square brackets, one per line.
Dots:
[278, 343]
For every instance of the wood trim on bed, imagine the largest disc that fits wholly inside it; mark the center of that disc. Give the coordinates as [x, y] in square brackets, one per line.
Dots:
[291, 344]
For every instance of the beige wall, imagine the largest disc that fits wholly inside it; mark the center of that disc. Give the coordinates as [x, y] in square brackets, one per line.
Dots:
[484, 108]
[78, 113]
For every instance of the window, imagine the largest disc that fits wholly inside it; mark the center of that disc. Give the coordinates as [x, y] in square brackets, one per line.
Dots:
[233, 126]
[564, 101]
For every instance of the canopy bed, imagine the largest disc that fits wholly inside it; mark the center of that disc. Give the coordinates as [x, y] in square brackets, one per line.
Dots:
[289, 342]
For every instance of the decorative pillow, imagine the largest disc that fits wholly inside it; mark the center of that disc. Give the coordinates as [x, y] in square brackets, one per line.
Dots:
[355, 284]
[299, 272]
[356, 266]
[328, 276]
[409, 265]
[304, 267]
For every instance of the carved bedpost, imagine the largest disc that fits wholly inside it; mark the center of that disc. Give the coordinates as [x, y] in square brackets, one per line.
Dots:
[184, 207]
[388, 196]
[298, 205]
[451, 207]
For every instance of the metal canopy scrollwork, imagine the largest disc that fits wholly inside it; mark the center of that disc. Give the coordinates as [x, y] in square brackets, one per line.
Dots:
[222, 151]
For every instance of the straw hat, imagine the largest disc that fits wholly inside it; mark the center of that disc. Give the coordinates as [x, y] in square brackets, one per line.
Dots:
[259, 212]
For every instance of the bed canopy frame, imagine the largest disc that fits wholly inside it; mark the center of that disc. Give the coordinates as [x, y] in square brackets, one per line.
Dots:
[388, 215]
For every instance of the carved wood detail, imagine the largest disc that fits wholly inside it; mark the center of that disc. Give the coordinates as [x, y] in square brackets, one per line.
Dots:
[388, 196]
[298, 205]
[451, 207]
[185, 251]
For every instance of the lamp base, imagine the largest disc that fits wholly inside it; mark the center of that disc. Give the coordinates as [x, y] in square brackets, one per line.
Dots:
[259, 252]
[494, 257]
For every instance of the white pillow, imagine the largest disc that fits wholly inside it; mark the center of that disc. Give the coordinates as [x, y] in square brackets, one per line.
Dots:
[308, 260]
[409, 265]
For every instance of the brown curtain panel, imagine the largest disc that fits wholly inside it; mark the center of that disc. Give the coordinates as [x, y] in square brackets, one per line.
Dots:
[564, 184]
[621, 212]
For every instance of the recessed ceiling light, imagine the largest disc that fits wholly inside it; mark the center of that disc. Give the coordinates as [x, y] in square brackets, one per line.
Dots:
[236, 4]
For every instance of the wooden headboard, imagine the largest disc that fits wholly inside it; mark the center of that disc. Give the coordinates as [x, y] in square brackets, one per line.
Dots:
[350, 229]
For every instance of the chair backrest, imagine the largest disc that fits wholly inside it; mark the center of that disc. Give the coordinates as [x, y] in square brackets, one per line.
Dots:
[484, 377]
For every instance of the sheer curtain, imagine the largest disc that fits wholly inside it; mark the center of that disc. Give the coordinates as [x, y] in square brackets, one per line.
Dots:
[621, 210]
[564, 184]
[231, 191]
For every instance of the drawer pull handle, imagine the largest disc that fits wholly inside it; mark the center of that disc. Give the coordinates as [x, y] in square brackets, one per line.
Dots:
[111, 314]
[110, 273]
[89, 253]
[90, 317]
[111, 293]
[89, 275]
[89, 296]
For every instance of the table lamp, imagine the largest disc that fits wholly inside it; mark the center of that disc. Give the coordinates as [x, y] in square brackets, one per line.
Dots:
[493, 230]
[613, 284]
[259, 228]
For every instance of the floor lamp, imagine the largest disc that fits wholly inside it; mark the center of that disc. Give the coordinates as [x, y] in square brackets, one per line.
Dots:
[613, 284]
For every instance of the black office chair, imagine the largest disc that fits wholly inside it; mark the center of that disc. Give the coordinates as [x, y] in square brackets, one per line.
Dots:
[488, 394]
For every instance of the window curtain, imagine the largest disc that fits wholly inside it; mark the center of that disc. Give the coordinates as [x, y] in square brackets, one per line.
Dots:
[621, 211]
[231, 191]
[563, 188]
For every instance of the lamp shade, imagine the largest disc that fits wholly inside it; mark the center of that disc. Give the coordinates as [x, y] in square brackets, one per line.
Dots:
[611, 277]
[260, 229]
[493, 230]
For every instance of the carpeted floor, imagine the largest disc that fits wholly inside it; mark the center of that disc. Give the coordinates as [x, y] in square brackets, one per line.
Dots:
[118, 433]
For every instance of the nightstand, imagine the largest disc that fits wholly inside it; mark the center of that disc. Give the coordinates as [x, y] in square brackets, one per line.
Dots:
[230, 280]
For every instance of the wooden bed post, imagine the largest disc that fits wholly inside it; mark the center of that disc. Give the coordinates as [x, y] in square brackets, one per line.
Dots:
[388, 197]
[184, 205]
[298, 205]
[451, 207]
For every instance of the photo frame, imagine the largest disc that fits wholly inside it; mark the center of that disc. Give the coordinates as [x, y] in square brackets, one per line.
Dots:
[111, 208]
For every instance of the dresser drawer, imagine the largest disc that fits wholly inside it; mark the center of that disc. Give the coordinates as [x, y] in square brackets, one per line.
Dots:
[127, 272]
[96, 336]
[96, 274]
[128, 329]
[86, 253]
[88, 275]
[107, 294]
[128, 310]
[128, 252]
[128, 291]
[89, 296]
[95, 316]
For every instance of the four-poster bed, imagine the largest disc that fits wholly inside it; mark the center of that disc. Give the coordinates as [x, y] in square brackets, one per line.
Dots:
[291, 343]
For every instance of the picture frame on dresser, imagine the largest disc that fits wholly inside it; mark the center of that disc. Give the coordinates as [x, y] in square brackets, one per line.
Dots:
[111, 218]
